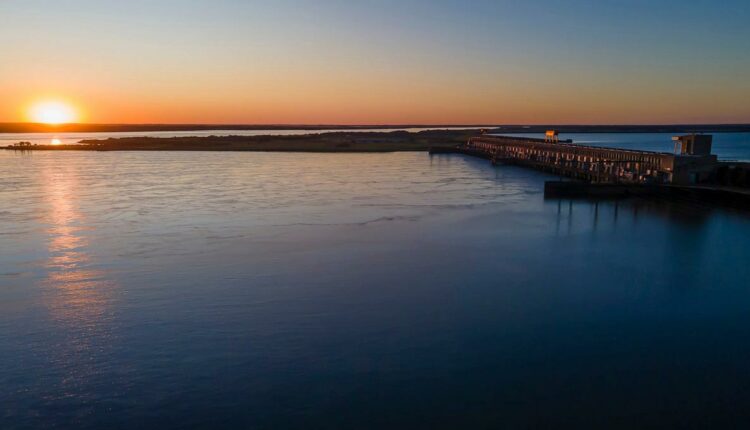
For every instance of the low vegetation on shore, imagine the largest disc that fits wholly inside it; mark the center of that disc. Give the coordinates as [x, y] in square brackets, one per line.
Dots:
[322, 142]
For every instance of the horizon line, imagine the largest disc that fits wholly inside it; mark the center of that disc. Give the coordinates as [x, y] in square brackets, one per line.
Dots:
[534, 124]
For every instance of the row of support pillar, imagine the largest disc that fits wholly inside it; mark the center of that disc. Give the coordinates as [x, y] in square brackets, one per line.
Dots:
[587, 163]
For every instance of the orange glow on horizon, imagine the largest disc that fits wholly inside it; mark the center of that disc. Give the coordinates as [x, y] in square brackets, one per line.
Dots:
[52, 112]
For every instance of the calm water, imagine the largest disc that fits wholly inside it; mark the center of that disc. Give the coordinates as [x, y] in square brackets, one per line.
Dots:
[261, 290]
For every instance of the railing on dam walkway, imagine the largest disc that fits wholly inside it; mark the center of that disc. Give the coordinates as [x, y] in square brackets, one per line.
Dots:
[595, 164]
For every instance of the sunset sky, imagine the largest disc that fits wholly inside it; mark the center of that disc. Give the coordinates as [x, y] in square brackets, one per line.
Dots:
[384, 61]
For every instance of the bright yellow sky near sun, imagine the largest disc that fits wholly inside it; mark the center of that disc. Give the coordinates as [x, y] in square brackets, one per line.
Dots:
[361, 100]
[52, 112]
[318, 95]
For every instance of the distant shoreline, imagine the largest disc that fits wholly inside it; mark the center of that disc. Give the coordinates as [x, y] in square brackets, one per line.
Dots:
[322, 142]
[511, 128]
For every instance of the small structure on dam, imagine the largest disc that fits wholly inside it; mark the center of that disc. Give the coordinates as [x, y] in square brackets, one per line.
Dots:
[693, 144]
[552, 136]
[693, 164]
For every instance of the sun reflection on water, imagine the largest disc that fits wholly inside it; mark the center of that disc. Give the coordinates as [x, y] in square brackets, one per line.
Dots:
[77, 295]
[76, 290]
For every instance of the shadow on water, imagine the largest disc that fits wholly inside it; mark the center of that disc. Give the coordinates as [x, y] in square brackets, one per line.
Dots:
[679, 235]
[674, 212]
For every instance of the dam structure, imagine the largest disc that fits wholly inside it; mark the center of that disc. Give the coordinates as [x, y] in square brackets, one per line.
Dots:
[691, 163]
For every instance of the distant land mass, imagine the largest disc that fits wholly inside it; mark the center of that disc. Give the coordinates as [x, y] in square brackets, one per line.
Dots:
[339, 141]
[517, 128]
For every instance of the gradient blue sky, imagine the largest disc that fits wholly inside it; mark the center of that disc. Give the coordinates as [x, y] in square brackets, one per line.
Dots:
[331, 61]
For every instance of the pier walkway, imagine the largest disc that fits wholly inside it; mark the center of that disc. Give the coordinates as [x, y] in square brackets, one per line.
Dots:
[589, 163]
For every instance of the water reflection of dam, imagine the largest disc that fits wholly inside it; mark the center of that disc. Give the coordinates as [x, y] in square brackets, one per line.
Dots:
[612, 212]
[681, 234]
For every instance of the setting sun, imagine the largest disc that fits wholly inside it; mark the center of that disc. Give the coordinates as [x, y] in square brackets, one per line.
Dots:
[52, 112]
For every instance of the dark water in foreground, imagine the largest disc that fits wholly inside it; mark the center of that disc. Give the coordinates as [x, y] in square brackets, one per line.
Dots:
[174, 290]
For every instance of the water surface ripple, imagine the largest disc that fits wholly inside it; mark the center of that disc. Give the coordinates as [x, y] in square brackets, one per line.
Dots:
[261, 290]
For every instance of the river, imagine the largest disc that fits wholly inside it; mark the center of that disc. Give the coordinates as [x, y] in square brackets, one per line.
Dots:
[274, 290]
